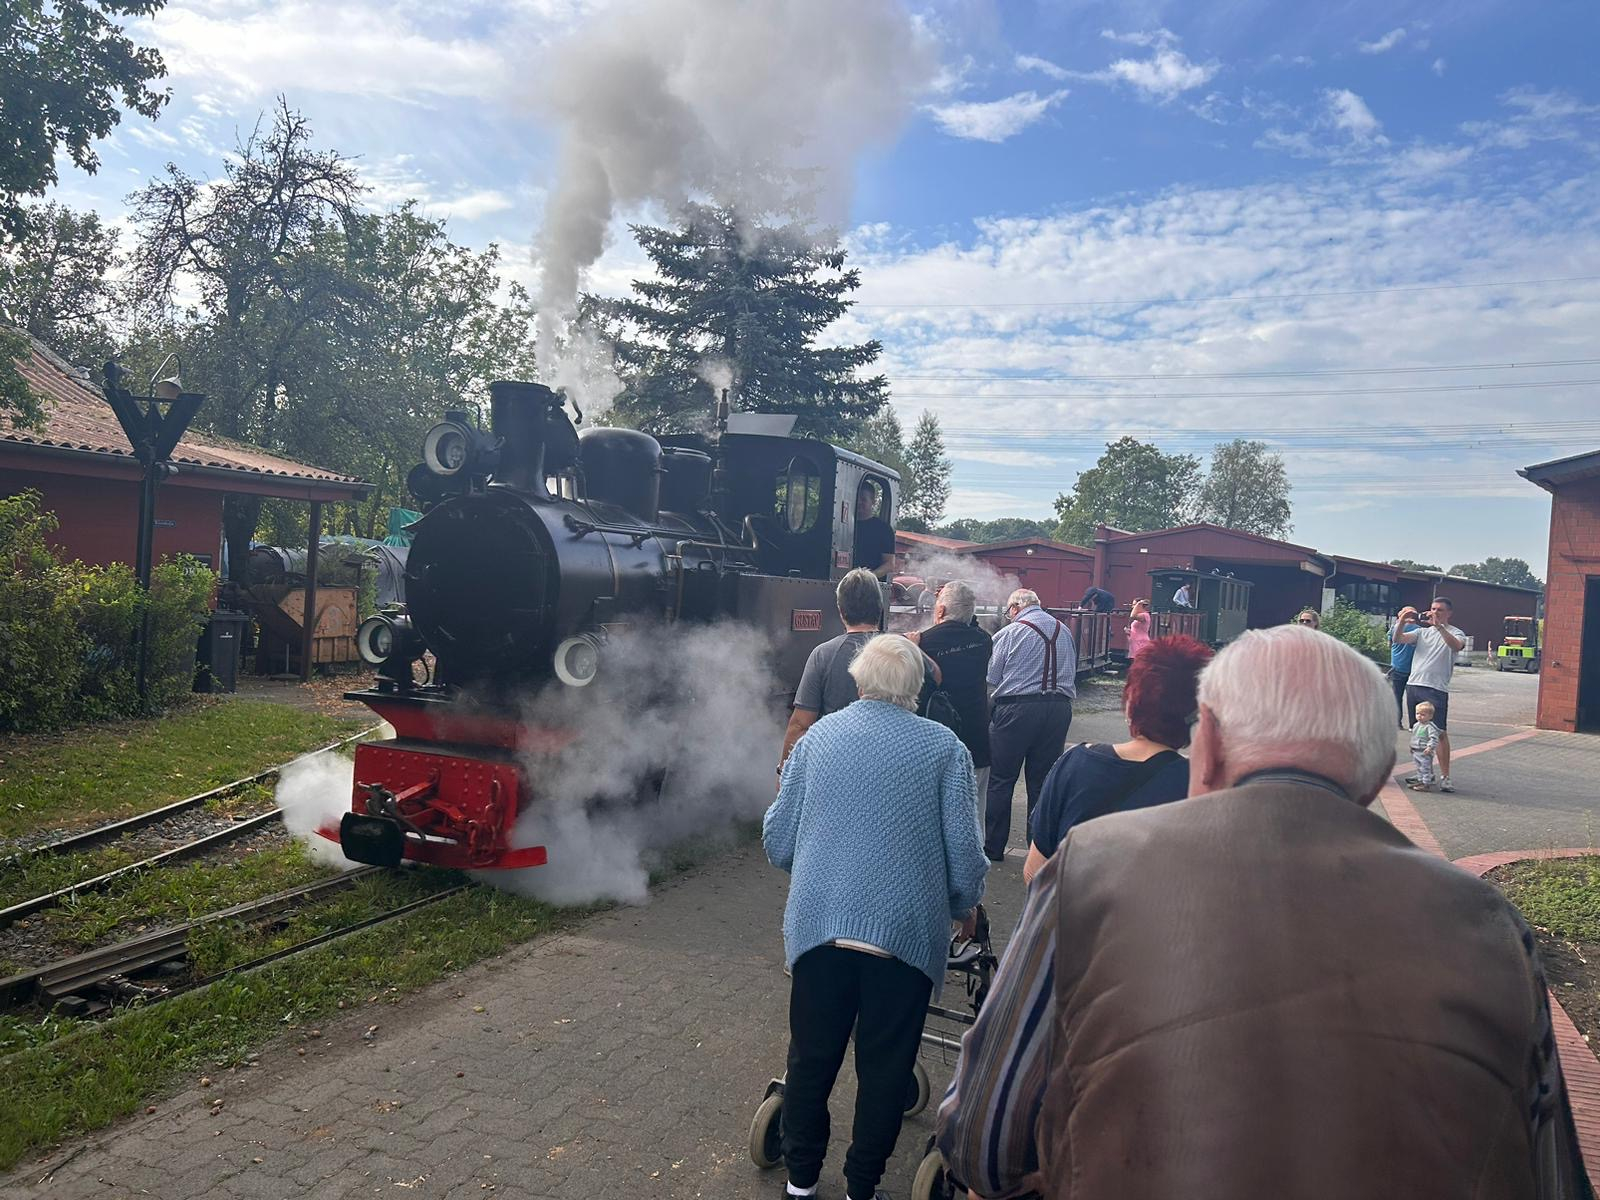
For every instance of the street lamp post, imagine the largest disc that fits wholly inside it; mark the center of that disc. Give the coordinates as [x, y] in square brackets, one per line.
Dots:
[153, 434]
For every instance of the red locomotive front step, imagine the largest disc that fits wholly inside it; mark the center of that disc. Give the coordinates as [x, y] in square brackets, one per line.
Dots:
[455, 811]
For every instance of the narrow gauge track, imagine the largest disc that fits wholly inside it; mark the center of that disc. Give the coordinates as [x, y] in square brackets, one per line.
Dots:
[189, 849]
[73, 983]
[115, 829]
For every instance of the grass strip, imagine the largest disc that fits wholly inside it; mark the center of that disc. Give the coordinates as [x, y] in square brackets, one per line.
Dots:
[1558, 894]
[96, 1073]
[101, 772]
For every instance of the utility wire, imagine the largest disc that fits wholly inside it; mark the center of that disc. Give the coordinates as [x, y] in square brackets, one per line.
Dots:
[1293, 393]
[1054, 376]
[1239, 297]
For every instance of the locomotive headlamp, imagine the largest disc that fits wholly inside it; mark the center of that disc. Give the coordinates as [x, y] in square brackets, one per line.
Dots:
[577, 660]
[447, 450]
[388, 637]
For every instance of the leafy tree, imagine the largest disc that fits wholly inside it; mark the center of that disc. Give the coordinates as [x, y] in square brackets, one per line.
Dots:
[69, 72]
[928, 472]
[1133, 486]
[1356, 628]
[1246, 489]
[1512, 572]
[881, 439]
[1408, 564]
[56, 282]
[739, 300]
[244, 242]
[1010, 529]
[19, 403]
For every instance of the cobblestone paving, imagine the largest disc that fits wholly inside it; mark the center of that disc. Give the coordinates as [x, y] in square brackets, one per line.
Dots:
[624, 1059]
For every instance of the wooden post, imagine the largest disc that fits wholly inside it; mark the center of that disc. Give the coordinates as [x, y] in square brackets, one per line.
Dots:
[309, 629]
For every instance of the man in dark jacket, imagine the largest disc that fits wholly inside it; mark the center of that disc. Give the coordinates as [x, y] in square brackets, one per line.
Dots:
[962, 651]
[1265, 989]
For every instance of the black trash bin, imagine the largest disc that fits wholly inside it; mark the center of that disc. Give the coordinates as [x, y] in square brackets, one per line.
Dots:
[217, 661]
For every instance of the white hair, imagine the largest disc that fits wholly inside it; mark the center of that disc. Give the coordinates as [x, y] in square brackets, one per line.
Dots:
[889, 668]
[1023, 598]
[1287, 685]
[958, 600]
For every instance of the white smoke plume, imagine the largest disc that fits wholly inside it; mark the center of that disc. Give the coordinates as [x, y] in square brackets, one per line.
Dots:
[585, 368]
[660, 101]
[937, 567]
[693, 702]
[314, 792]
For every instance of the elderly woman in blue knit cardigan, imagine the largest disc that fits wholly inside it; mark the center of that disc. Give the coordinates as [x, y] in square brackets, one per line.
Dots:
[877, 823]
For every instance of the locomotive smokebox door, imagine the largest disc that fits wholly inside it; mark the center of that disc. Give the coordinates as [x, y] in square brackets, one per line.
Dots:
[377, 841]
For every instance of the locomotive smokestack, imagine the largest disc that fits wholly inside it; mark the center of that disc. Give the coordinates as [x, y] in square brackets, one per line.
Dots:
[520, 414]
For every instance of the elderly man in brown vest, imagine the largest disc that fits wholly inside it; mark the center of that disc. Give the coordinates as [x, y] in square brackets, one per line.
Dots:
[1265, 990]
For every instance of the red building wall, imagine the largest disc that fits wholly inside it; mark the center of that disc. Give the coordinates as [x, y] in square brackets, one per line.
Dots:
[99, 516]
[1574, 559]
[1059, 576]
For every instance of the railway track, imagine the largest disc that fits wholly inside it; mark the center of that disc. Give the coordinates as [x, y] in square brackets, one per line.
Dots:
[189, 849]
[92, 983]
[115, 829]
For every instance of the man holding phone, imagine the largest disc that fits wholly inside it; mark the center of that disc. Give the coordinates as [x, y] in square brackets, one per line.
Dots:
[1400, 654]
[1436, 642]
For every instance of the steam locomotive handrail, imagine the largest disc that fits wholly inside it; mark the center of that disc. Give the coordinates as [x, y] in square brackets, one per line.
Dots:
[583, 528]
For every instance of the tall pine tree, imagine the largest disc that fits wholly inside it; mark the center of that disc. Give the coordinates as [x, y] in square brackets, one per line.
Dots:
[927, 482]
[739, 304]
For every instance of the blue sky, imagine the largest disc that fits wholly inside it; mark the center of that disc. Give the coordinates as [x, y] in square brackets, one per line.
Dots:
[1335, 230]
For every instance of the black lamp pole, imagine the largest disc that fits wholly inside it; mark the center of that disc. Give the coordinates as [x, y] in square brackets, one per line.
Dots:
[153, 434]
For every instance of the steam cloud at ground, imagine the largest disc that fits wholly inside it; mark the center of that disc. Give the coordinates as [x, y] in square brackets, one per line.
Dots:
[314, 792]
[693, 701]
[938, 567]
[661, 101]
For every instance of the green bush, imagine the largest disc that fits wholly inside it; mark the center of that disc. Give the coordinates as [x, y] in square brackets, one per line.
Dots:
[1355, 628]
[69, 632]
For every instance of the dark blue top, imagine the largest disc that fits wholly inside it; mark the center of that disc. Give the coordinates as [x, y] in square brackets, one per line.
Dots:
[1400, 652]
[1088, 780]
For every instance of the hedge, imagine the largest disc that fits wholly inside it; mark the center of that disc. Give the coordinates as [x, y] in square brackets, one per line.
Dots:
[68, 631]
[1355, 628]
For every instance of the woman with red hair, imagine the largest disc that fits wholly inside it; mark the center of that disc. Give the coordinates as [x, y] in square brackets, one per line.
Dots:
[1093, 779]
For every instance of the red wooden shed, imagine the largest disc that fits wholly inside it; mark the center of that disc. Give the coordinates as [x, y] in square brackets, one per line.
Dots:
[1569, 682]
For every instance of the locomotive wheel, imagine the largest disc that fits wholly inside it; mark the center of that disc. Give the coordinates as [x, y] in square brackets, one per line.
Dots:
[929, 1182]
[917, 1094]
[766, 1133]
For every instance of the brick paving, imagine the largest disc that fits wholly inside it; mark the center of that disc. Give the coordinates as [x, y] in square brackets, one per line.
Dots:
[626, 1057]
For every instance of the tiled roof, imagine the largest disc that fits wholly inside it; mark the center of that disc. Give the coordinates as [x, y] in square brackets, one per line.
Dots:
[77, 417]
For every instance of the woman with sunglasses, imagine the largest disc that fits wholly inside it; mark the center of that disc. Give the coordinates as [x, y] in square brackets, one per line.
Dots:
[1093, 779]
[1308, 616]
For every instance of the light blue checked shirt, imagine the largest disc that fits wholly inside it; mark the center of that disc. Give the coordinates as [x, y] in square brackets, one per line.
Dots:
[1017, 664]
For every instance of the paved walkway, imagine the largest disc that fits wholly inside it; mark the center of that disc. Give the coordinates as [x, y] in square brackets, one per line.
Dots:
[626, 1058]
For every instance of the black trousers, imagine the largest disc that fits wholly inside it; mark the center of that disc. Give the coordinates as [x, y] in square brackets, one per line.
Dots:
[1397, 680]
[1025, 737]
[886, 1001]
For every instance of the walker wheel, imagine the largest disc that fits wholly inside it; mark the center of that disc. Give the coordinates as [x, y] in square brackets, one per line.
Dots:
[929, 1182]
[766, 1133]
[917, 1094]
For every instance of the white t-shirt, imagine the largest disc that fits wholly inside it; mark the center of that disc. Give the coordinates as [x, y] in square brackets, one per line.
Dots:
[1434, 659]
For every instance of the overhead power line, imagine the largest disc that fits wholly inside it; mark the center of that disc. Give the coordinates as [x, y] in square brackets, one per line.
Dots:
[997, 376]
[1238, 298]
[1288, 394]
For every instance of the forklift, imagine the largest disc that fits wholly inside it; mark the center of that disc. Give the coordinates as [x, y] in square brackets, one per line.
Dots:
[1519, 646]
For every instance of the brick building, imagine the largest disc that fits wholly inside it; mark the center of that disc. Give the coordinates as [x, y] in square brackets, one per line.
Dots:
[84, 469]
[1569, 683]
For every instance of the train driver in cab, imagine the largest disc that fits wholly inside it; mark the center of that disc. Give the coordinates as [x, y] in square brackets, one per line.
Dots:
[874, 544]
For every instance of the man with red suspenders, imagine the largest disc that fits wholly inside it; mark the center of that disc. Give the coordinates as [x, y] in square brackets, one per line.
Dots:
[1033, 681]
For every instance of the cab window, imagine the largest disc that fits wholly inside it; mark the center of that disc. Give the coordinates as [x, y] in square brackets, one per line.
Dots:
[799, 496]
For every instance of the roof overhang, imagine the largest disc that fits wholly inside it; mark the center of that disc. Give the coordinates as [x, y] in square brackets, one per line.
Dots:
[1558, 472]
[63, 460]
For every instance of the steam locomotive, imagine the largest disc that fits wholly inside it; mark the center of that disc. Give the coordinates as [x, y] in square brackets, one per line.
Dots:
[537, 545]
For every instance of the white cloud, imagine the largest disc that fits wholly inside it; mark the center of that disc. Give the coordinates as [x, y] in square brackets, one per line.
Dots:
[254, 48]
[1384, 44]
[994, 120]
[1535, 117]
[1008, 458]
[393, 182]
[1032, 62]
[1348, 113]
[1169, 73]
[1166, 74]
[1438, 67]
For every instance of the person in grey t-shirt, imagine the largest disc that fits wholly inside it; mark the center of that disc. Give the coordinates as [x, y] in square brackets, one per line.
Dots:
[825, 684]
